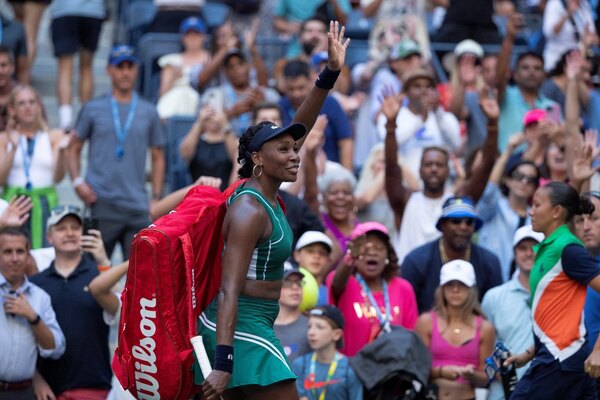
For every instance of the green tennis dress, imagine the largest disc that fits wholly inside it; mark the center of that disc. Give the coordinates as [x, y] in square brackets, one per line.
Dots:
[259, 358]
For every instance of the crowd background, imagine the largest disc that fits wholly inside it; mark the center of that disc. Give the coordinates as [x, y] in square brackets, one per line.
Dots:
[445, 120]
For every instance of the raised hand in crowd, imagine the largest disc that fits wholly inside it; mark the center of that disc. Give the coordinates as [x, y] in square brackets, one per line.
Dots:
[581, 168]
[468, 71]
[488, 101]
[17, 212]
[391, 105]
[316, 136]
[516, 23]
[91, 242]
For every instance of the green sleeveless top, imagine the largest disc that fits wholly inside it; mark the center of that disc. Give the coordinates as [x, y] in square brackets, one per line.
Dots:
[268, 258]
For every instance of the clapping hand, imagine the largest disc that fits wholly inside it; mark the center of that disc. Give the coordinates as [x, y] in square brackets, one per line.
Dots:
[391, 104]
[17, 212]
[336, 46]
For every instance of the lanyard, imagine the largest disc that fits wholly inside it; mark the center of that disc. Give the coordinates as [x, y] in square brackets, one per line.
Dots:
[384, 321]
[27, 153]
[122, 131]
[332, 368]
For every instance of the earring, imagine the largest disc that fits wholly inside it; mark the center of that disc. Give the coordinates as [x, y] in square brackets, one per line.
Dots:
[387, 261]
[254, 171]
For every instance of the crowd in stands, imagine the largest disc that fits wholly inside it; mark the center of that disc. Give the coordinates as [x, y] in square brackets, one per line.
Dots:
[450, 144]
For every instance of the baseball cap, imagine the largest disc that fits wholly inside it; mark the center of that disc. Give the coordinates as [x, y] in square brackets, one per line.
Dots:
[58, 213]
[192, 24]
[270, 131]
[404, 49]
[366, 227]
[535, 115]
[312, 237]
[527, 232]
[467, 46]
[331, 312]
[414, 74]
[289, 269]
[457, 270]
[459, 207]
[121, 53]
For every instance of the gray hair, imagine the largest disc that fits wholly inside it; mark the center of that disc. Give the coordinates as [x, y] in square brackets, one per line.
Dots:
[335, 173]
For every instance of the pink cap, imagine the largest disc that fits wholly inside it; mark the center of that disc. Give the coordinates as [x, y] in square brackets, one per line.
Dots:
[535, 115]
[367, 227]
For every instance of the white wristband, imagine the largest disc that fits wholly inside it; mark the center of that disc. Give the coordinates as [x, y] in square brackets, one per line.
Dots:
[78, 181]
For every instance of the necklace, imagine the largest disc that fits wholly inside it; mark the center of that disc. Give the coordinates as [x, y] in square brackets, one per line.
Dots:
[444, 256]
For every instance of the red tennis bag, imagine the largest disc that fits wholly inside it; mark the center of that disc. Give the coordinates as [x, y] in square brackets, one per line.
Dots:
[174, 273]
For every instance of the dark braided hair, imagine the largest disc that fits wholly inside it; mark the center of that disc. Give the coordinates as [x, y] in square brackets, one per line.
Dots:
[564, 195]
[244, 155]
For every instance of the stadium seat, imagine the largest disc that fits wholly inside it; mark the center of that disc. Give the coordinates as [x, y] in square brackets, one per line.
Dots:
[177, 172]
[150, 48]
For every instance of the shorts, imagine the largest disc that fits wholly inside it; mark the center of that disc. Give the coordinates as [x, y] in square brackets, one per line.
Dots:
[259, 358]
[71, 33]
[548, 382]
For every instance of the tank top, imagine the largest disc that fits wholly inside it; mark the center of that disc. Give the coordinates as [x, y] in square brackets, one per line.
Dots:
[211, 159]
[41, 170]
[268, 258]
[444, 353]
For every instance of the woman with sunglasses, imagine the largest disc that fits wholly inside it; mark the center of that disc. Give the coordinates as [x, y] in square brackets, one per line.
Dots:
[505, 204]
[32, 158]
[456, 334]
[563, 269]
[258, 242]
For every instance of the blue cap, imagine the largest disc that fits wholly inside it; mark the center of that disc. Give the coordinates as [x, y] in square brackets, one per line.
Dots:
[459, 207]
[319, 58]
[192, 24]
[271, 131]
[121, 53]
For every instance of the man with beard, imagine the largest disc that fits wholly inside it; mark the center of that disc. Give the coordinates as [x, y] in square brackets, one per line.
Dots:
[528, 76]
[507, 306]
[416, 213]
[458, 223]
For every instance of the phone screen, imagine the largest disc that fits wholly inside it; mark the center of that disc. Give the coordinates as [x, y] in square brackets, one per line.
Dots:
[89, 223]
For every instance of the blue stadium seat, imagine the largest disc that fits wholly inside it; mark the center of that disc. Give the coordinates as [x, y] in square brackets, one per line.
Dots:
[358, 26]
[358, 51]
[177, 172]
[215, 14]
[136, 19]
[150, 48]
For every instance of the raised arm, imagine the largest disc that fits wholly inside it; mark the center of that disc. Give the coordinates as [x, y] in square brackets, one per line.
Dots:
[475, 184]
[397, 193]
[311, 106]
[515, 24]
[101, 287]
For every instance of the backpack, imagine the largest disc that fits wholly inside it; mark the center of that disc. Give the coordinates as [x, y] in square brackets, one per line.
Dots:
[174, 273]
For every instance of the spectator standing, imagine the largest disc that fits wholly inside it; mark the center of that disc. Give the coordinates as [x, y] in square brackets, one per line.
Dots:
[562, 271]
[507, 306]
[84, 369]
[325, 372]
[468, 19]
[13, 37]
[7, 83]
[456, 333]
[458, 222]
[120, 127]
[528, 76]
[32, 158]
[291, 325]
[289, 14]
[27, 321]
[367, 289]
[76, 26]
[338, 143]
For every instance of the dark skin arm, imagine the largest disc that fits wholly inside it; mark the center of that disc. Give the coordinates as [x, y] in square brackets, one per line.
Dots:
[397, 193]
[475, 185]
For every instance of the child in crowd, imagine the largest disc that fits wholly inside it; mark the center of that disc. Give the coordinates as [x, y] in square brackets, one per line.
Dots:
[325, 373]
[313, 251]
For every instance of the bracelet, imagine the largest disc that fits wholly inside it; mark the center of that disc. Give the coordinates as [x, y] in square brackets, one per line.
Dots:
[78, 181]
[36, 320]
[327, 78]
[224, 358]
[103, 268]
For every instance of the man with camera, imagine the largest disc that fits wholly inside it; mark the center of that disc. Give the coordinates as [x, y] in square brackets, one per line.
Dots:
[84, 369]
[28, 323]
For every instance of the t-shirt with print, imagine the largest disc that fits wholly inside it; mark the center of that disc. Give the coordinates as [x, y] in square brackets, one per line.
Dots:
[293, 337]
[119, 180]
[343, 385]
[558, 283]
[360, 319]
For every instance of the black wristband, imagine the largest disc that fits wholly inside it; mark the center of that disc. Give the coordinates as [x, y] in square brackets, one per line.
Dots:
[224, 358]
[327, 78]
[36, 320]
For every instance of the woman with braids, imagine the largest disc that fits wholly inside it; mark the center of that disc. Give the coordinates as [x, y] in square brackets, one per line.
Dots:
[237, 327]
[562, 363]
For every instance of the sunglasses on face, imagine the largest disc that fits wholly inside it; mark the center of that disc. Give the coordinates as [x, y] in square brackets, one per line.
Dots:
[287, 283]
[458, 221]
[530, 180]
[61, 209]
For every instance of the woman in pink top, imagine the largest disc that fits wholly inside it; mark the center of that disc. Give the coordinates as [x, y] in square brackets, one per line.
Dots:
[456, 333]
[367, 289]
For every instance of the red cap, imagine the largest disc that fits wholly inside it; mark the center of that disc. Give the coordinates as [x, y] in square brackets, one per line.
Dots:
[367, 227]
[535, 115]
